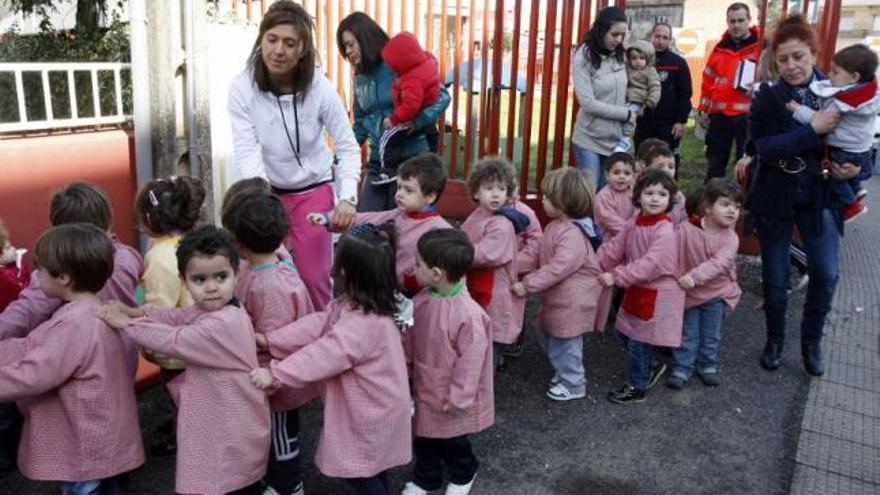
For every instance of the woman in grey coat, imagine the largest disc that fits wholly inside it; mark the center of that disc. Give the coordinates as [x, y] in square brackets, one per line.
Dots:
[600, 85]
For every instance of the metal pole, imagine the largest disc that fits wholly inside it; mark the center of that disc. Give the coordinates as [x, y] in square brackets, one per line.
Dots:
[140, 81]
[191, 124]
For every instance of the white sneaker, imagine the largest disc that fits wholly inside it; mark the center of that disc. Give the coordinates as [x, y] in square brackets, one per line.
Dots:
[410, 488]
[562, 393]
[271, 491]
[453, 489]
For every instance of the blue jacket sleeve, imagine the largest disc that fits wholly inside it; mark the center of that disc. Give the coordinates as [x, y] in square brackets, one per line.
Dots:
[430, 115]
[766, 126]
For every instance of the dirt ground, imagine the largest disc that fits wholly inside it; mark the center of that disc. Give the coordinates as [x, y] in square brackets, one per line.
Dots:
[739, 438]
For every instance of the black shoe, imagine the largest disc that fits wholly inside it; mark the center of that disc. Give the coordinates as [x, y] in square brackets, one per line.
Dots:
[164, 445]
[657, 370]
[812, 354]
[626, 395]
[712, 379]
[771, 359]
[675, 382]
[512, 350]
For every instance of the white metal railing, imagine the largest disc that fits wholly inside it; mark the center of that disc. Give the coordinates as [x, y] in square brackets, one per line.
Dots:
[26, 123]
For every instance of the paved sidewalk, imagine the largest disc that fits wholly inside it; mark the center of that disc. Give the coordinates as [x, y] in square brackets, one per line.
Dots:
[839, 445]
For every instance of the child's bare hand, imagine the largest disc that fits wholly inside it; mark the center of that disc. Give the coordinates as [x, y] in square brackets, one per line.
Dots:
[317, 219]
[686, 282]
[262, 379]
[114, 315]
[445, 407]
[261, 340]
[519, 289]
[387, 123]
[606, 279]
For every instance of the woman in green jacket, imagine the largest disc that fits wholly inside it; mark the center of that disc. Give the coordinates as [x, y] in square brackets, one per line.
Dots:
[360, 40]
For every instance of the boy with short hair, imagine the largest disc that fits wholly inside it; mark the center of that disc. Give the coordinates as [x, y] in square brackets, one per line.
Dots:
[450, 352]
[274, 295]
[69, 375]
[420, 184]
[851, 90]
[223, 420]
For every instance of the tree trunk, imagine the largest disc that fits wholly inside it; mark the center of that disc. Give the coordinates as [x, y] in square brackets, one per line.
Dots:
[88, 15]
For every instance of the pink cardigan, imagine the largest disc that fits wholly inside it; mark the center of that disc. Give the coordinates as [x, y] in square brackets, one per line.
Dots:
[222, 420]
[643, 259]
[709, 257]
[573, 301]
[410, 227]
[495, 250]
[70, 379]
[356, 361]
[612, 210]
[450, 348]
[33, 306]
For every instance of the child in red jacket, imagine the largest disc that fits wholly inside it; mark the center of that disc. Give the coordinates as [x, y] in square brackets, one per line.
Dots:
[15, 274]
[416, 87]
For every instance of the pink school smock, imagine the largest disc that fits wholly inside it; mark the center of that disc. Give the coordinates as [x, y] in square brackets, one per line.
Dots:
[222, 419]
[679, 211]
[612, 210]
[33, 306]
[410, 227]
[494, 271]
[450, 348]
[70, 378]
[356, 362]
[709, 257]
[643, 259]
[566, 274]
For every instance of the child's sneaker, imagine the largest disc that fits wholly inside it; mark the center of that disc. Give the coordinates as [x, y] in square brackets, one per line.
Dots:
[657, 370]
[411, 488]
[854, 210]
[626, 395]
[512, 350]
[675, 382]
[710, 378]
[562, 393]
[555, 380]
[453, 489]
[861, 193]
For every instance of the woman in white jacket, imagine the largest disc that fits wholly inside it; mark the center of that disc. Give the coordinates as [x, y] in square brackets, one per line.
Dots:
[599, 75]
[280, 107]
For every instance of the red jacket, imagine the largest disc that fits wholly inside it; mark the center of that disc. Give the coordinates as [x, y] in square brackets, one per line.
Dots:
[718, 92]
[418, 77]
[12, 280]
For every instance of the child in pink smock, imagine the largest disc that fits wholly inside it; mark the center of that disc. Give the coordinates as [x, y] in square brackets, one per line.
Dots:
[614, 205]
[272, 293]
[492, 229]
[70, 376]
[450, 352]
[420, 183]
[527, 237]
[353, 355]
[663, 158]
[642, 260]
[223, 421]
[707, 248]
[564, 269]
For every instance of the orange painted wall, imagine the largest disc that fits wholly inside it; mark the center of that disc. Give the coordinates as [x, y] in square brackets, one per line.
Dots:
[33, 167]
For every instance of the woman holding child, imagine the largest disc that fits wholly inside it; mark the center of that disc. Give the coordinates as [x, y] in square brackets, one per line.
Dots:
[788, 189]
[599, 75]
[280, 107]
[361, 40]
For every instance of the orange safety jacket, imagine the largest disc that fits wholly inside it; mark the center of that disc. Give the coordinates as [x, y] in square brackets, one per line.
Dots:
[718, 92]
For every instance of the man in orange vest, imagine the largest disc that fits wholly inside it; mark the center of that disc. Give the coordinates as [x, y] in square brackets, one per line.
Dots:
[724, 101]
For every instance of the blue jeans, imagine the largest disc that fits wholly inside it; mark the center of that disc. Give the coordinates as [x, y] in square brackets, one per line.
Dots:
[107, 486]
[641, 358]
[846, 189]
[821, 243]
[592, 163]
[567, 358]
[376, 197]
[700, 340]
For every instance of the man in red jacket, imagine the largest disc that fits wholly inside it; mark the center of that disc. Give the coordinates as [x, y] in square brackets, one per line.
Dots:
[724, 101]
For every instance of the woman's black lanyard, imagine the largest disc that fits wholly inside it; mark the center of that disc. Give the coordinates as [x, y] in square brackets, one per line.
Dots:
[293, 148]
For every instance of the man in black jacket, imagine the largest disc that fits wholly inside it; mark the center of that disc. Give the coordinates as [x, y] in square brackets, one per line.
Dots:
[667, 120]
